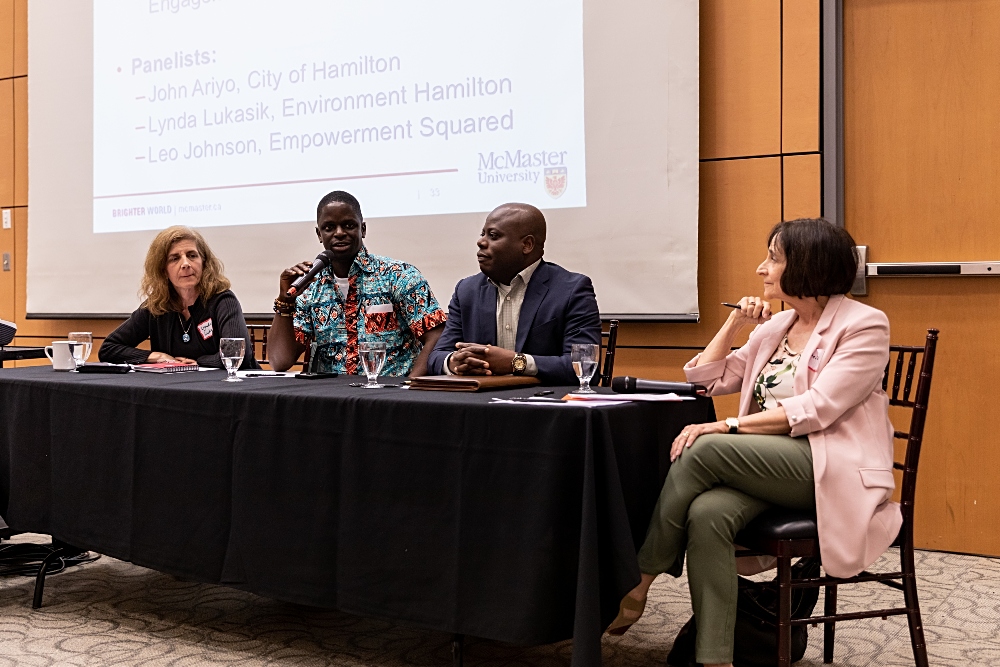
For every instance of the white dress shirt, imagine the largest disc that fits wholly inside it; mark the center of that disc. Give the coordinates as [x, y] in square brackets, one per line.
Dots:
[503, 292]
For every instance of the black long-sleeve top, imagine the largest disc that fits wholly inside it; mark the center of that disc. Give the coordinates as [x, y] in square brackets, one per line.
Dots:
[220, 317]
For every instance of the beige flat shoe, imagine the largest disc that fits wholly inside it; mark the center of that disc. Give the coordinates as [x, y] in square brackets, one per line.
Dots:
[621, 624]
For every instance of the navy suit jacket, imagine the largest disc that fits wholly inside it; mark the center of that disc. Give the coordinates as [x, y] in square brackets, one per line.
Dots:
[559, 309]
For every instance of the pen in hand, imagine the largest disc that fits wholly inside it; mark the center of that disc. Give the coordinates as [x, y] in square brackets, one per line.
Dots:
[739, 307]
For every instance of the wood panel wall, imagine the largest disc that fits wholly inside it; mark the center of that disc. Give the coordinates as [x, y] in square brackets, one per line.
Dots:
[921, 116]
[922, 126]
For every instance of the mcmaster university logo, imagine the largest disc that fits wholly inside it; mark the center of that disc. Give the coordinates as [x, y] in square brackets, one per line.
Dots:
[555, 181]
[523, 166]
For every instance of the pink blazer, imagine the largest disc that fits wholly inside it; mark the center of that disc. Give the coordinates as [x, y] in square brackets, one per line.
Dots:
[840, 405]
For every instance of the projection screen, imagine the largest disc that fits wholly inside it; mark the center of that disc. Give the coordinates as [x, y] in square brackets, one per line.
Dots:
[236, 117]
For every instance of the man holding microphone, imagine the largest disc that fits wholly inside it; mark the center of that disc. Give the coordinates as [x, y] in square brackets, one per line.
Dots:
[358, 297]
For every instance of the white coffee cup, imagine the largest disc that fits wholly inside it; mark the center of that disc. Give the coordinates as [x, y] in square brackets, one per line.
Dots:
[60, 353]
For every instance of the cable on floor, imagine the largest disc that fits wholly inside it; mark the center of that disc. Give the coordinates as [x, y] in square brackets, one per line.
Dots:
[26, 559]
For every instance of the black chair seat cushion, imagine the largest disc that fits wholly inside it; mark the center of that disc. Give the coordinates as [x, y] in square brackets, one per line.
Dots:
[778, 523]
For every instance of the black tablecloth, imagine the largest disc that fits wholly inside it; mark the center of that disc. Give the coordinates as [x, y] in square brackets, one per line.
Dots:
[511, 522]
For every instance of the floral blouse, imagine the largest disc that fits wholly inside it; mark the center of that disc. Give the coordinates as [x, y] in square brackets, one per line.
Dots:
[776, 381]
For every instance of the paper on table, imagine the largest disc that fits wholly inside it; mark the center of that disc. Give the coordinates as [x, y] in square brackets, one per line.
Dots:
[263, 374]
[558, 404]
[669, 398]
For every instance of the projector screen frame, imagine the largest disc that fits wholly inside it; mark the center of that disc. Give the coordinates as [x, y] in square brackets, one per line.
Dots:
[650, 221]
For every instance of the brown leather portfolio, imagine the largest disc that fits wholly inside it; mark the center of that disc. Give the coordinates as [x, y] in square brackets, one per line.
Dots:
[470, 383]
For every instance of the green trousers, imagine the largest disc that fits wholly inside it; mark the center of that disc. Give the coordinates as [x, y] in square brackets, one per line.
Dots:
[712, 491]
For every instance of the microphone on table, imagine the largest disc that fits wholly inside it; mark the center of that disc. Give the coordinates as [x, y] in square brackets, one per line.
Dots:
[322, 261]
[630, 385]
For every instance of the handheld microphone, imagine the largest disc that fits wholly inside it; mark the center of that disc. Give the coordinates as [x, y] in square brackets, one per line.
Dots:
[630, 385]
[321, 262]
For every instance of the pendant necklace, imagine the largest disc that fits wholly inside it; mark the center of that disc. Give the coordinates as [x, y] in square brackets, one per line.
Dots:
[186, 337]
[784, 344]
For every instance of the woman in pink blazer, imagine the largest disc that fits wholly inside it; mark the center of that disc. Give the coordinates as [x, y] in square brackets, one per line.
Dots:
[813, 431]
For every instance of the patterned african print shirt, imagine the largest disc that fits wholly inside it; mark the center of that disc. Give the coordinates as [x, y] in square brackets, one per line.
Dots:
[387, 301]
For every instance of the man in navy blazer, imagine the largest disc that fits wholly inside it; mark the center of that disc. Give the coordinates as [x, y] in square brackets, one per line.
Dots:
[521, 315]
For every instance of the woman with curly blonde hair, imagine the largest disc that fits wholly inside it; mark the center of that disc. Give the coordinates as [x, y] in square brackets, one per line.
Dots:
[187, 307]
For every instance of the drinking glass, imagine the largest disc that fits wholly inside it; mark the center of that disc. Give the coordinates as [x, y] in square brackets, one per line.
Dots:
[82, 351]
[584, 357]
[231, 350]
[372, 360]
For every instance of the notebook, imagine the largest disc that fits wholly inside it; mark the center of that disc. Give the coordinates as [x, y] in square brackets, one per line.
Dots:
[165, 367]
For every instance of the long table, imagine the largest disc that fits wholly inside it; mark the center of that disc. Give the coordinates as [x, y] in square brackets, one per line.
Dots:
[512, 522]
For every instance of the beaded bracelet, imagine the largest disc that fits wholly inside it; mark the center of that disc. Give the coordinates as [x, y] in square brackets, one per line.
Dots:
[284, 308]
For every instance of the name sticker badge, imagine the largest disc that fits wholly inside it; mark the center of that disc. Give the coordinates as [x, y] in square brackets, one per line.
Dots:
[815, 359]
[205, 329]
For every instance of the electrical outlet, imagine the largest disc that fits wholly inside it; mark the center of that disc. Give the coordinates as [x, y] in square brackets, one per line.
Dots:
[6, 218]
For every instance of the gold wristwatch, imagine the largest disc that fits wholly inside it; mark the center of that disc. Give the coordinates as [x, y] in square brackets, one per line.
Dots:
[519, 364]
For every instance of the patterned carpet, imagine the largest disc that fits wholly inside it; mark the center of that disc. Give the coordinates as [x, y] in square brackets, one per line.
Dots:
[114, 613]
